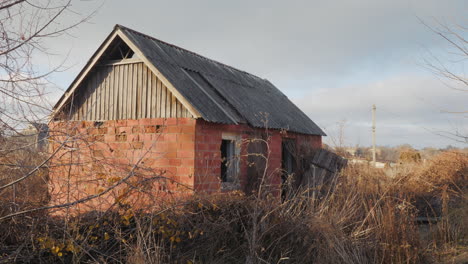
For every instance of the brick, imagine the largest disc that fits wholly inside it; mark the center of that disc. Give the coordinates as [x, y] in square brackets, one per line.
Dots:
[111, 131]
[172, 146]
[159, 161]
[171, 121]
[102, 130]
[121, 138]
[169, 137]
[170, 155]
[150, 129]
[92, 131]
[185, 137]
[118, 145]
[187, 129]
[137, 145]
[186, 146]
[161, 129]
[175, 162]
[121, 123]
[132, 122]
[186, 180]
[147, 121]
[137, 129]
[189, 162]
[147, 138]
[184, 171]
[109, 138]
[120, 153]
[124, 129]
[185, 154]
[133, 137]
[150, 146]
[99, 138]
[172, 129]
[110, 123]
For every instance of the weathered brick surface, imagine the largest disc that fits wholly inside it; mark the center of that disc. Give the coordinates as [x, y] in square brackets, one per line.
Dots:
[208, 137]
[96, 155]
[168, 157]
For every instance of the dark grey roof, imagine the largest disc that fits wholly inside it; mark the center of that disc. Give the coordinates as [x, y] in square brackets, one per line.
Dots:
[221, 93]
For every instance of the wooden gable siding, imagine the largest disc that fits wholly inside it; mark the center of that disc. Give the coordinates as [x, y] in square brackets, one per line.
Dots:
[124, 91]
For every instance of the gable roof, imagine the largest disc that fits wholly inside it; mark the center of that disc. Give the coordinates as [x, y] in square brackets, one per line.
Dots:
[214, 91]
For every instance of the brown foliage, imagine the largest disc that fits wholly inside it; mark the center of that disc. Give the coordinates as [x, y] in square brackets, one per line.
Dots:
[365, 217]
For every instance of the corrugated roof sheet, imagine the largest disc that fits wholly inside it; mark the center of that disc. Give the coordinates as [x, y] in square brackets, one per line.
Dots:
[221, 93]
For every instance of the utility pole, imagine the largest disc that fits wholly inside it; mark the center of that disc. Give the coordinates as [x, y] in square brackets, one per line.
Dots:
[373, 135]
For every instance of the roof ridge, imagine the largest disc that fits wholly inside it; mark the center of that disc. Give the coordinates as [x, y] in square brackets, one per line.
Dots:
[186, 50]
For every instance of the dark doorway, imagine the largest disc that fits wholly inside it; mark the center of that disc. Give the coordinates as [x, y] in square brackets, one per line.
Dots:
[288, 163]
[227, 158]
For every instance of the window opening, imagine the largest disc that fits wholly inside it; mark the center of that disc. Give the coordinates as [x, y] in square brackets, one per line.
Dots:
[228, 154]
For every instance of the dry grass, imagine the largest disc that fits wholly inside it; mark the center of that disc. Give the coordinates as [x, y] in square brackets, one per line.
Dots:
[362, 217]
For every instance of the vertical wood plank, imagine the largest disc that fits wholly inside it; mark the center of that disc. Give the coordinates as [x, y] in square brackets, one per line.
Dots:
[179, 109]
[93, 102]
[107, 94]
[154, 98]
[128, 87]
[85, 102]
[118, 78]
[125, 91]
[136, 91]
[174, 106]
[102, 93]
[116, 93]
[122, 92]
[82, 100]
[144, 92]
[149, 108]
[97, 90]
[131, 88]
[163, 101]
[149, 94]
[139, 90]
[158, 98]
[168, 103]
[111, 93]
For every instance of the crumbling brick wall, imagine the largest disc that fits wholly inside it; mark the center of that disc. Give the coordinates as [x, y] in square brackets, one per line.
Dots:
[162, 158]
[94, 156]
[208, 137]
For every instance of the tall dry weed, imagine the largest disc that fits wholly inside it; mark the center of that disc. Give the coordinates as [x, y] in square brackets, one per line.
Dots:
[361, 216]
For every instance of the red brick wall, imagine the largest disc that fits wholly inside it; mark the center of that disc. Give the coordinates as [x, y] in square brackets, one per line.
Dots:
[172, 156]
[96, 155]
[208, 137]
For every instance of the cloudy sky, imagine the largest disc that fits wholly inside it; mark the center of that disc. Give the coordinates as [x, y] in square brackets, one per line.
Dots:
[334, 59]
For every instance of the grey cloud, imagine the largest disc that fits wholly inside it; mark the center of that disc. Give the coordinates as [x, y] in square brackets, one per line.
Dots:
[334, 58]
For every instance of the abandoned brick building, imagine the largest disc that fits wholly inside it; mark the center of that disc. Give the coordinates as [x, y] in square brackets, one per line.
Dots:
[141, 104]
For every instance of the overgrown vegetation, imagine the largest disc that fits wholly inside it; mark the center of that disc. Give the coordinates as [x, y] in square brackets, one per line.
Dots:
[363, 216]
